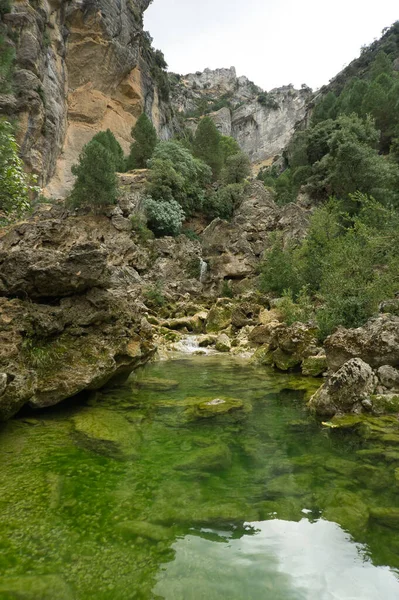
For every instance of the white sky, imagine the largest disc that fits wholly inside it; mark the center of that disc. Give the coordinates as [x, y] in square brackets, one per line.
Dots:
[273, 42]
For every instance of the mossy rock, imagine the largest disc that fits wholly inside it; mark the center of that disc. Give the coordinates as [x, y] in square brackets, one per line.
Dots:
[314, 365]
[287, 509]
[386, 516]
[212, 458]
[205, 409]
[345, 508]
[40, 587]
[219, 317]
[288, 484]
[284, 361]
[144, 529]
[157, 385]
[385, 403]
[106, 432]
[262, 356]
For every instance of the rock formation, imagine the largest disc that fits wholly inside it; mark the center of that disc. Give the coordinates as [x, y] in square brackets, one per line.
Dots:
[261, 123]
[81, 67]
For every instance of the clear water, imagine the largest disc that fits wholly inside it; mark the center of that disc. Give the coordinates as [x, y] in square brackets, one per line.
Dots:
[127, 494]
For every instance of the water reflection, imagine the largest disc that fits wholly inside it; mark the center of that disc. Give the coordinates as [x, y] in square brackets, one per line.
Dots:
[282, 561]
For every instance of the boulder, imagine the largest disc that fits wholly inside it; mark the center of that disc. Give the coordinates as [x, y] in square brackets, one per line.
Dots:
[314, 366]
[266, 334]
[345, 390]
[245, 314]
[223, 343]
[376, 343]
[389, 377]
[219, 317]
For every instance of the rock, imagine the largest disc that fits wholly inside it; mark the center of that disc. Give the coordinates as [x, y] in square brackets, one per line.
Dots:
[284, 361]
[376, 343]
[389, 377]
[195, 323]
[205, 409]
[213, 458]
[385, 403]
[266, 334]
[223, 343]
[268, 316]
[105, 432]
[314, 365]
[31, 587]
[144, 529]
[157, 385]
[3, 382]
[245, 314]
[386, 516]
[219, 317]
[297, 339]
[345, 390]
[262, 356]
[207, 340]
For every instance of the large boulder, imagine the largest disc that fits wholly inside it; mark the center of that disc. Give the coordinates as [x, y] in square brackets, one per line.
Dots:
[376, 343]
[347, 390]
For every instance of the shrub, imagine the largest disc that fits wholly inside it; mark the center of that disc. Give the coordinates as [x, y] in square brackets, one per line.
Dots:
[164, 218]
[154, 295]
[223, 202]
[5, 7]
[96, 183]
[15, 187]
[236, 169]
[145, 140]
[139, 225]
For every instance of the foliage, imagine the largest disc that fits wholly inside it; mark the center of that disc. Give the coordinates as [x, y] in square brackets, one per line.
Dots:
[349, 261]
[237, 168]
[15, 186]
[154, 295]
[207, 145]
[139, 226]
[5, 7]
[145, 141]
[164, 218]
[110, 143]
[96, 183]
[177, 175]
[268, 101]
[301, 309]
[227, 290]
[223, 202]
[229, 147]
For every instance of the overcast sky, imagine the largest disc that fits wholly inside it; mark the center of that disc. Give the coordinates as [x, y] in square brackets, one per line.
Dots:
[273, 42]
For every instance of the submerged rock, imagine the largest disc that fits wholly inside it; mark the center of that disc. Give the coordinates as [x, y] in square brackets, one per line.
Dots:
[35, 587]
[144, 529]
[205, 409]
[213, 458]
[386, 516]
[156, 384]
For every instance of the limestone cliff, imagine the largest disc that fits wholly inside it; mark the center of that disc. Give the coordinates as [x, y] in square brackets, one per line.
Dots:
[81, 66]
[262, 123]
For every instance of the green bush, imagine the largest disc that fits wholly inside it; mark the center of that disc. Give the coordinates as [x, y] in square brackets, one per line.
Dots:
[5, 7]
[96, 183]
[139, 226]
[223, 202]
[145, 140]
[164, 218]
[236, 169]
[207, 145]
[15, 187]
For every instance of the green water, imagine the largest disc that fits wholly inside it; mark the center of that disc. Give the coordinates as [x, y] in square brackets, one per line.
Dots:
[134, 493]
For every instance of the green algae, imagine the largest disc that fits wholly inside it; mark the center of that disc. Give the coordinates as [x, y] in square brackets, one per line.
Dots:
[94, 495]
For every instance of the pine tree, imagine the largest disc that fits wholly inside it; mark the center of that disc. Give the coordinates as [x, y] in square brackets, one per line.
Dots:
[110, 143]
[207, 145]
[96, 183]
[145, 140]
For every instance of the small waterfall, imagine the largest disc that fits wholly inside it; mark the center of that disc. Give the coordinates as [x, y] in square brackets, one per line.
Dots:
[203, 270]
[189, 344]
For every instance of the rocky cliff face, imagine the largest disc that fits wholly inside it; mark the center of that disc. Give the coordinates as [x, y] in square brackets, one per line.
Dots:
[81, 66]
[261, 123]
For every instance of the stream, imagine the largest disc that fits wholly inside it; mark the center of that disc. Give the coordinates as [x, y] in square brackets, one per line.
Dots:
[198, 478]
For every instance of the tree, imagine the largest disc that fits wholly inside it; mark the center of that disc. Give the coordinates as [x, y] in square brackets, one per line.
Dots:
[164, 218]
[14, 184]
[145, 141]
[110, 143]
[96, 183]
[207, 145]
[223, 202]
[229, 147]
[236, 169]
[381, 64]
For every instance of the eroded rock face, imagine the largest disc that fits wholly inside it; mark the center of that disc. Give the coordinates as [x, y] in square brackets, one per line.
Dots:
[262, 130]
[73, 294]
[81, 67]
[377, 343]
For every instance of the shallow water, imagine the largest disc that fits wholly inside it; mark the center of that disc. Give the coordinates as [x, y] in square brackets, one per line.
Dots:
[131, 494]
